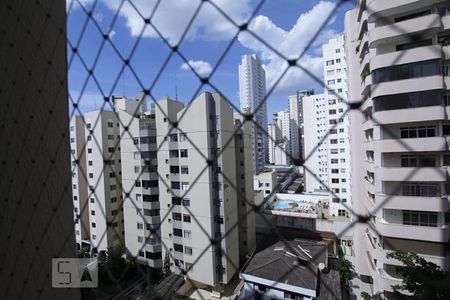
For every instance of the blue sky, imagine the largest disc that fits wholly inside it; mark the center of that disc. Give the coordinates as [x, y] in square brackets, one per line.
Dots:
[287, 25]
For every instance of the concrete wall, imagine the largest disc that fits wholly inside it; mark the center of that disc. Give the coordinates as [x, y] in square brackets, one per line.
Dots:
[36, 206]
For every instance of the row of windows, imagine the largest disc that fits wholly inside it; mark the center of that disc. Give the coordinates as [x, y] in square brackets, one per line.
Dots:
[420, 218]
[407, 71]
[409, 100]
[178, 217]
[187, 234]
[179, 248]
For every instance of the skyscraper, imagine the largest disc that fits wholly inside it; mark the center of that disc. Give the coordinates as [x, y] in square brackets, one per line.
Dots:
[398, 59]
[252, 92]
[198, 175]
[295, 115]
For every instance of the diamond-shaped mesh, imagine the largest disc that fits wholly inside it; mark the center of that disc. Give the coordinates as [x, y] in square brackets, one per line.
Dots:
[90, 48]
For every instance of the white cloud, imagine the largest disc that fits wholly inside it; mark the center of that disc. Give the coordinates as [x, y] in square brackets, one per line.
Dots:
[112, 33]
[173, 16]
[290, 44]
[203, 68]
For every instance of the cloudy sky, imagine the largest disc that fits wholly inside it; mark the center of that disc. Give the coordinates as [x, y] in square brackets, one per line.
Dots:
[286, 25]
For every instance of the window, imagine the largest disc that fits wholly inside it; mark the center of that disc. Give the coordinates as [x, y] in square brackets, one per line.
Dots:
[183, 137]
[110, 137]
[330, 62]
[89, 150]
[341, 212]
[151, 212]
[338, 60]
[415, 44]
[408, 100]
[334, 171]
[185, 186]
[178, 248]
[184, 170]
[140, 241]
[110, 124]
[187, 234]
[330, 72]
[92, 212]
[332, 112]
[176, 216]
[420, 189]
[420, 218]
[187, 218]
[114, 212]
[175, 185]
[173, 153]
[113, 199]
[417, 132]
[188, 250]
[94, 236]
[331, 82]
[112, 188]
[137, 155]
[407, 71]
[337, 51]
[177, 232]
[140, 226]
[409, 161]
[186, 202]
[183, 153]
[335, 180]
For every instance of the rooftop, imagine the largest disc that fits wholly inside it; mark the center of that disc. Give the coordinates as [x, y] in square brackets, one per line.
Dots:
[293, 263]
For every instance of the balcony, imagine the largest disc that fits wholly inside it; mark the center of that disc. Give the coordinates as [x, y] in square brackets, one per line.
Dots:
[400, 32]
[432, 234]
[413, 203]
[406, 56]
[383, 8]
[406, 115]
[408, 86]
[410, 145]
[438, 174]
[368, 124]
[446, 22]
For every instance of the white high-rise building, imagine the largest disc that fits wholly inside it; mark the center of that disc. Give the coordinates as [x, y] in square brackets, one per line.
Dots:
[79, 183]
[398, 59]
[104, 179]
[279, 142]
[252, 91]
[326, 127]
[295, 115]
[198, 172]
[141, 205]
[338, 139]
[315, 147]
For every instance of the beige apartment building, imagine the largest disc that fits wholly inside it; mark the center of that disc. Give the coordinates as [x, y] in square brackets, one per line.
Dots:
[96, 181]
[141, 205]
[79, 183]
[199, 168]
[398, 64]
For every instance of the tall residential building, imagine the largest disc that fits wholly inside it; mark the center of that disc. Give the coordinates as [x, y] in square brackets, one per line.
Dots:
[104, 179]
[141, 204]
[398, 59]
[279, 141]
[338, 139]
[79, 183]
[326, 132]
[295, 116]
[315, 125]
[252, 91]
[196, 187]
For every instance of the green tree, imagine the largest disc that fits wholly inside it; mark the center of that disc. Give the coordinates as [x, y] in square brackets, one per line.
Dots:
[367, 296]
[345, 269]
[422, 279]
[165, 271]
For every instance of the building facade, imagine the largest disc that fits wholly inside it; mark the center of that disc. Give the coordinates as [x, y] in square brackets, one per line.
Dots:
[252, 93]
[398, 59]
[79, 183]
[295, 116]
[197, 188]
[96, 180]
[141, 204]
[338, 139]
[315, 147]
